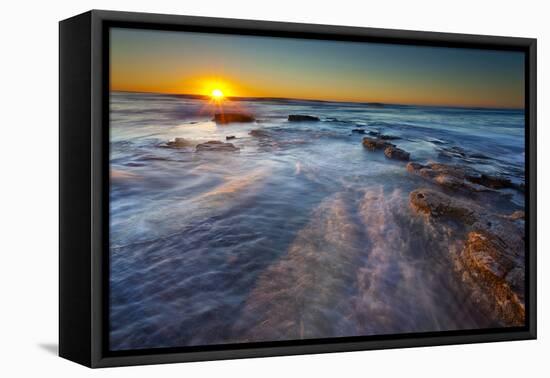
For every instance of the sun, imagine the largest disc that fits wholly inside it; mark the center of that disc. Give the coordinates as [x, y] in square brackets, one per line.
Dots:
[217, 94]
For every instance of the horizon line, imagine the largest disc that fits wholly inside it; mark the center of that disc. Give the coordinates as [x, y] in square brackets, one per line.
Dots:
[237, 98]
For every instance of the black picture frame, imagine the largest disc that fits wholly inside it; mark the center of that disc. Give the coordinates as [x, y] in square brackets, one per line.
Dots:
[84, 187]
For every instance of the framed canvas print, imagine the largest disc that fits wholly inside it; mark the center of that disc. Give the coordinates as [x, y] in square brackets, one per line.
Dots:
[234, 188]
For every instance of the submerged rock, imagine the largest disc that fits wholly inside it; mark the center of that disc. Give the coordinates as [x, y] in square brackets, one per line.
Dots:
[382, 136]
[390, 150]
[224, 118]
[119, 176]
[180, 143]
[396, 153]
[388, 137]
[216, 145]
[259, 133]
[301, 118]
[449, 176]
[375, 144]
[358, 131]
[460, 177]
[477, 155]
[516, 215]
[491, 260]
[493, 182]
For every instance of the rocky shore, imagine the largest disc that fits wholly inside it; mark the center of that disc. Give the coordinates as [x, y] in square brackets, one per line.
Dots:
[486, 248]
[489, 254]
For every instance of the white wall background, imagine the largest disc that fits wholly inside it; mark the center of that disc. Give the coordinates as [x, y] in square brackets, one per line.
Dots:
[29, 174]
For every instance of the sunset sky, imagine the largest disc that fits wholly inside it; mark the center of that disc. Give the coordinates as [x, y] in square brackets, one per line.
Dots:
[198, 63]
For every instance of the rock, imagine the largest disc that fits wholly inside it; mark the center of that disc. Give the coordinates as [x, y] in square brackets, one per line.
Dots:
[180, 143]
[493, 182]
[388, 137]
[440, 206]
[516, 215]
[358, 131]
[413, 167]
[449, 176]
[216, 145]
[454, 151]
[229, 137]
[259, 133]
[375, 144]
[492, 258]
[396, 153]
[494, 265]
[120, 176]
[459, 177]
[301, 118]
[382, 136]
[224, 118]
[479, 156]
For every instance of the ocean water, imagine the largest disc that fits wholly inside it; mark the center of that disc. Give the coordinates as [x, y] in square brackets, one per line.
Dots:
[303, 233]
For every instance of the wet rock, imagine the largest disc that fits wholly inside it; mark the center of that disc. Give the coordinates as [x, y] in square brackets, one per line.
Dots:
[491, 260]
[493, 182]
[449, 176]
[358, 131]
[259, 133]
[396, 153]
[453, 151]
[119, 176]
[496, 266]
[441, 206]
[229, 137]
[459, 177]
[382, 136]
[216, 145]
[224, 118]
[302, 118]
[180, 143]
[388, 137]
[516, 215]
[375, 144]
[479, 156]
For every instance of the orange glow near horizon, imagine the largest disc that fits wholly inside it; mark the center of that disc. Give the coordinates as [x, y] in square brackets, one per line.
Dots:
[251, 66]
[208, 85]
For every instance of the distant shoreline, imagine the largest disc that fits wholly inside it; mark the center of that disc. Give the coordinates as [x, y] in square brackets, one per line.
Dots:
[372, 104]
